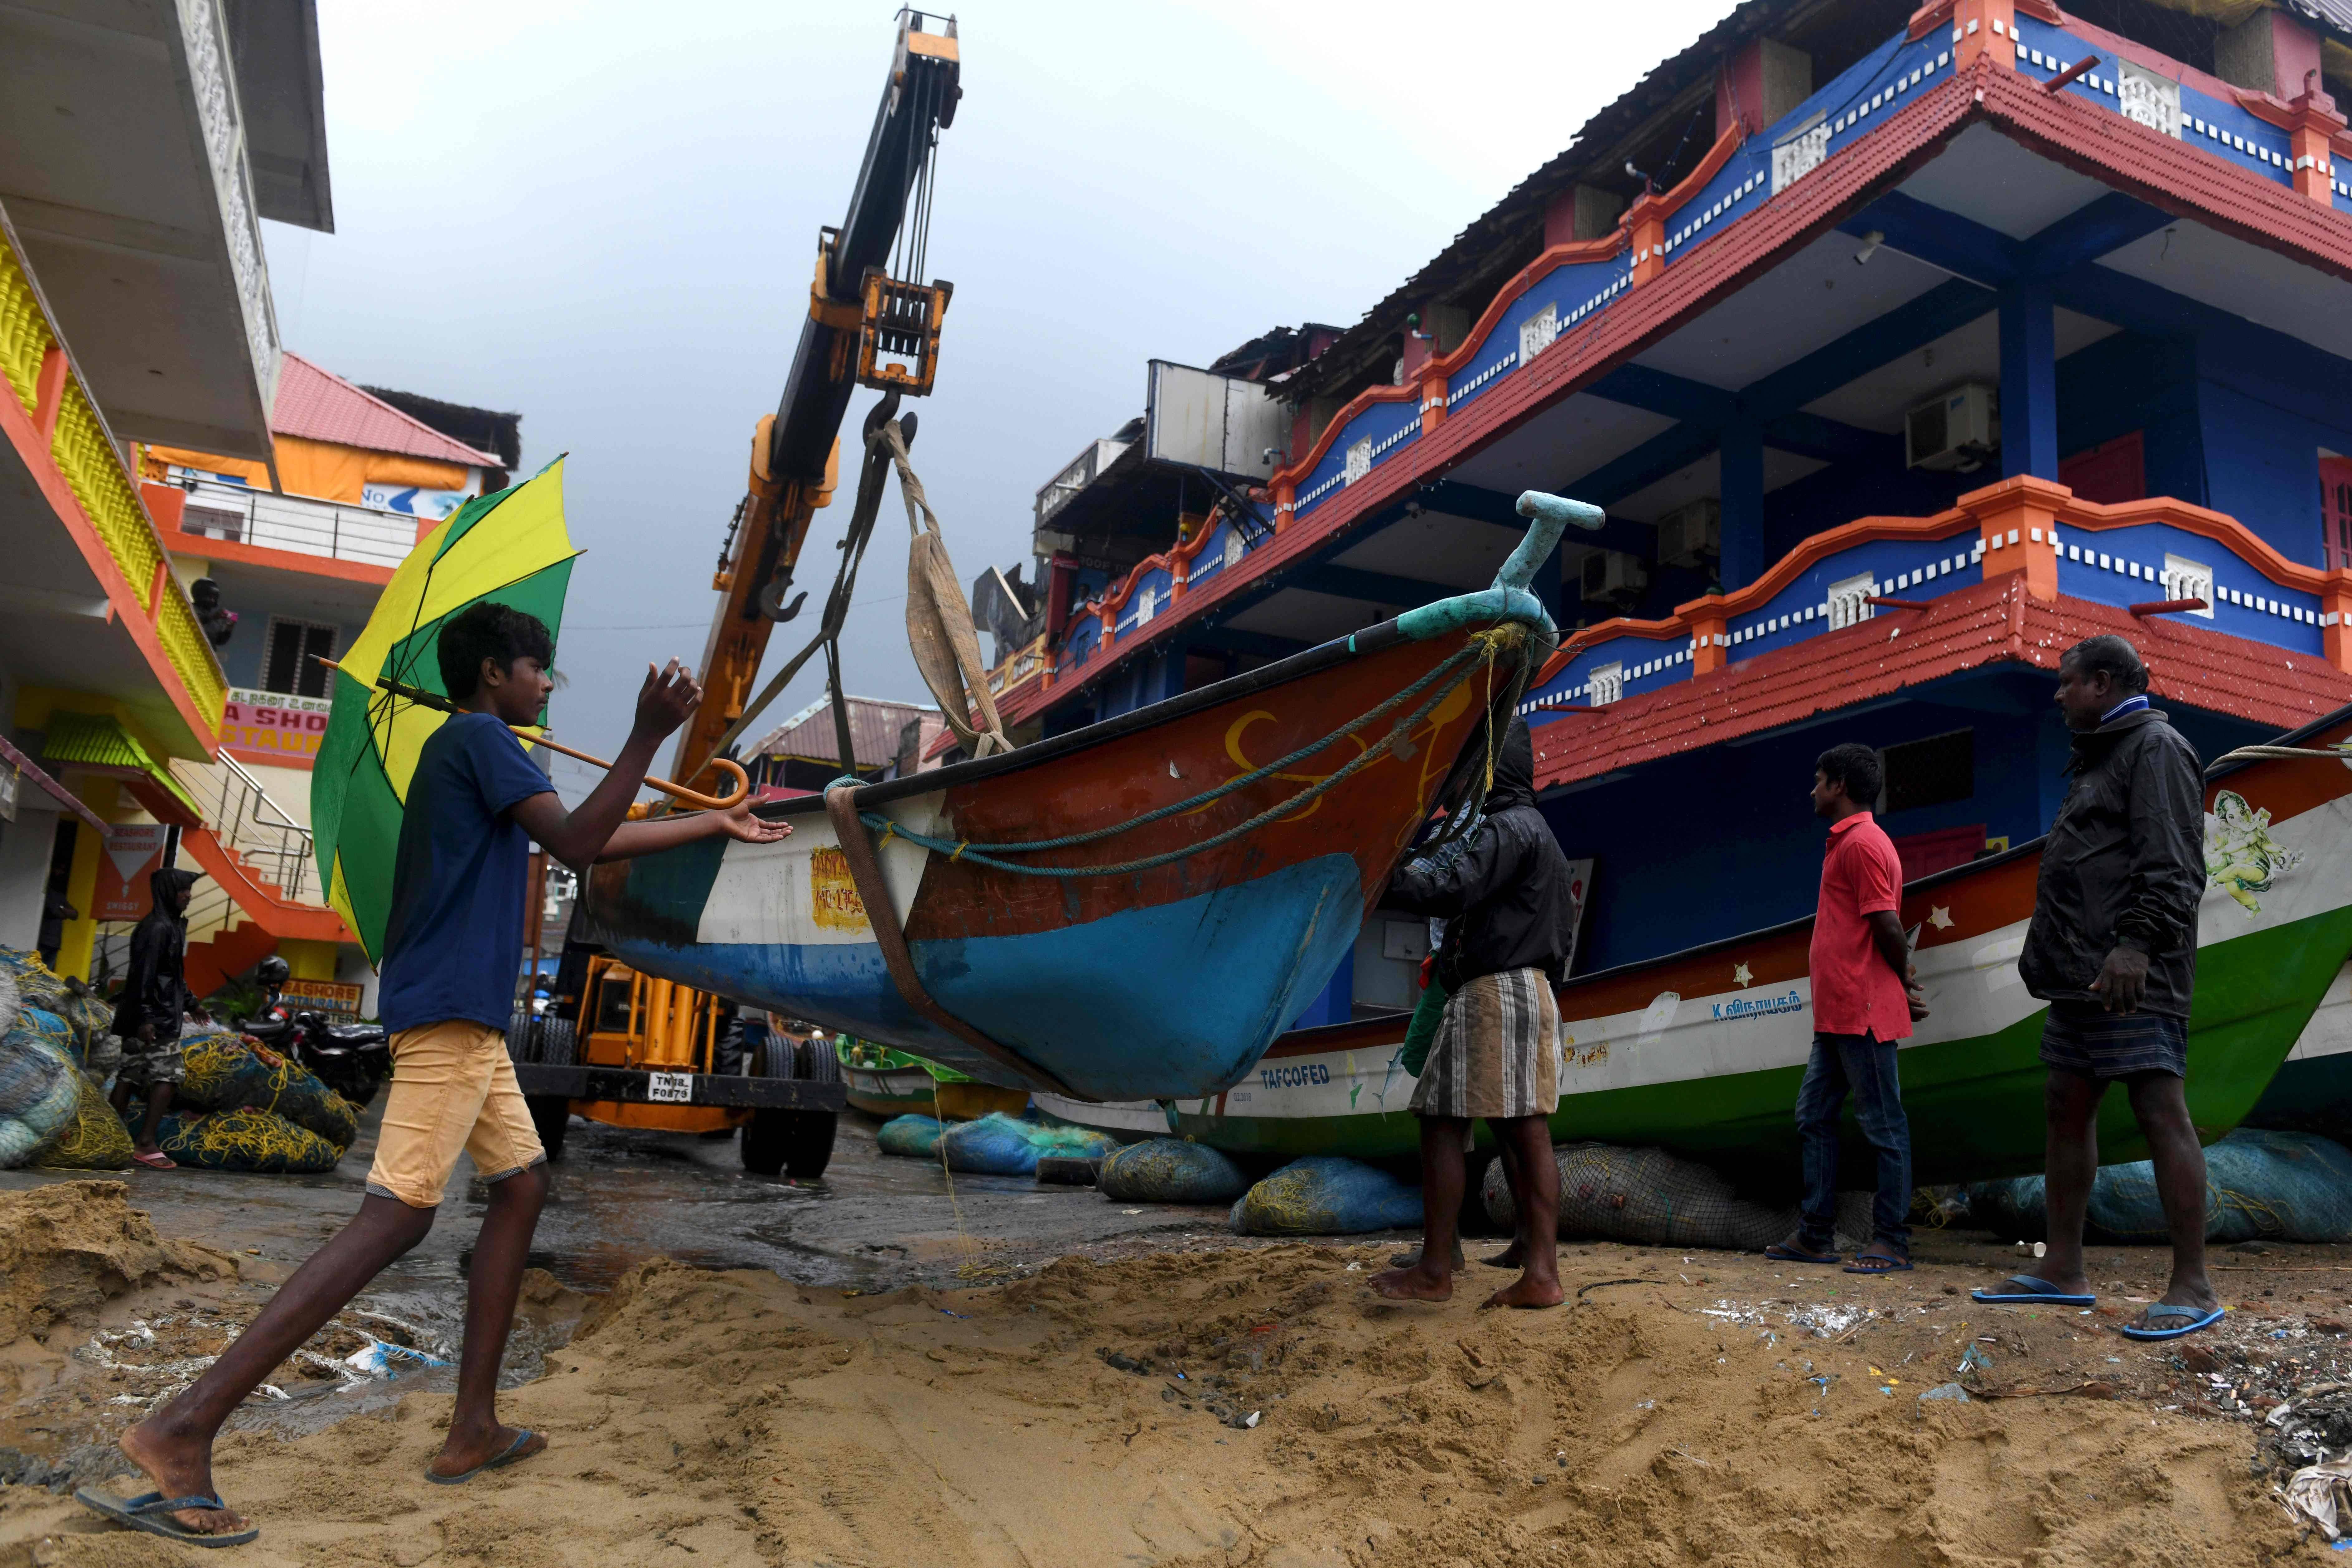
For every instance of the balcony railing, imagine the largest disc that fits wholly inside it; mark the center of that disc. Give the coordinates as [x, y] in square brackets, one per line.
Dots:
[275, 846]
[335, 530]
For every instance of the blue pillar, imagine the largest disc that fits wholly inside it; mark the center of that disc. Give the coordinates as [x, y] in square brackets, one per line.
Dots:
[1742, 454]
[2029, 382]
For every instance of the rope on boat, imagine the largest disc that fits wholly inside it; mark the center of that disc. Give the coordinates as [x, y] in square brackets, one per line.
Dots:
[1484, 648]
[2284, 753]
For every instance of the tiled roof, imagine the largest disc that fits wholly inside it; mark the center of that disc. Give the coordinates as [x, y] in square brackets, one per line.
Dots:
[1990, 622]
[95, 741]
[320, 405]
[874, 726]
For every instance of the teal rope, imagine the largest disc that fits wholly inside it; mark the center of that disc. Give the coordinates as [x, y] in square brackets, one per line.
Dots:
[982, 855]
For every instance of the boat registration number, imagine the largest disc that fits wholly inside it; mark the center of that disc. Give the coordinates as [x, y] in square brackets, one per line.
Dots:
[670, 1087]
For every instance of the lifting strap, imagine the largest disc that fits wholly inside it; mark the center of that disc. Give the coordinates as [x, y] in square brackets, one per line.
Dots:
[874, 892]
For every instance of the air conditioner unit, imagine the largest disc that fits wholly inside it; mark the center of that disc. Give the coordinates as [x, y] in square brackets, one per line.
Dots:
[1955, 429]
[1611, 575]
[1691, 535]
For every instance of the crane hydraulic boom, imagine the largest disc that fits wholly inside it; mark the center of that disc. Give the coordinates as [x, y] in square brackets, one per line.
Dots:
[866, 310]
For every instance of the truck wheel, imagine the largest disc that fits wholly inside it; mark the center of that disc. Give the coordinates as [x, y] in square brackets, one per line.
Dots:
[797, 1142]
[552, 1115]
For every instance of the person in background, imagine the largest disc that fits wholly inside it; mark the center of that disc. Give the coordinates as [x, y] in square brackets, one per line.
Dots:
[149, 1013]
[453, 947]
[1864, 1000]
[56, 910]
[1509, 916]
[2113, 949]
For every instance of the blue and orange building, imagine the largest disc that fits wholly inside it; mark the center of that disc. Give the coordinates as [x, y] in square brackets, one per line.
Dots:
[1905, 347]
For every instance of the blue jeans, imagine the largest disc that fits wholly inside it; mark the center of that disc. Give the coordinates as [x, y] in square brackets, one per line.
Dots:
[1862, 1065]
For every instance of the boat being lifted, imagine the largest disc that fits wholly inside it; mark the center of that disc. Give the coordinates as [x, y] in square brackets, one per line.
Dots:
[1133, 910]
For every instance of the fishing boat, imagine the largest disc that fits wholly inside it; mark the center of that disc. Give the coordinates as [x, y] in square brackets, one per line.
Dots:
[885, 1083]
[1700, 1052]
[1131, 909]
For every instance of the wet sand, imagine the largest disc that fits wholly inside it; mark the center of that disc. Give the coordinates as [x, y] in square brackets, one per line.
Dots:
[1097, 1409]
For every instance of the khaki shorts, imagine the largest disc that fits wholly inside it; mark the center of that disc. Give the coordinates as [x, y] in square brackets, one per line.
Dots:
[452, 1088]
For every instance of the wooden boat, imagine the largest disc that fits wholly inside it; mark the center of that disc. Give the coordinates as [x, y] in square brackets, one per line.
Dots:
[2312, 1090]
[1188, 939]
[885, 1083]
[1700, 1052]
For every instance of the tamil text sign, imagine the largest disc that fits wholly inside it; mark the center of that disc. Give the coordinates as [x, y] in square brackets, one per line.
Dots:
[274, 723]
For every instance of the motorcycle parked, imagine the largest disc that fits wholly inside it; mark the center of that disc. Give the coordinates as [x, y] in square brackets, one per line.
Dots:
[352, 1059]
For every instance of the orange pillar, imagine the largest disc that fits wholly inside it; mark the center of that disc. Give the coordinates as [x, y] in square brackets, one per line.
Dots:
[1984, 26]
[2017, 521]
[1286, 502]
[1432, 398]
[1706, 621]
[2315, 127]
[1645, 222]
[2334, 610]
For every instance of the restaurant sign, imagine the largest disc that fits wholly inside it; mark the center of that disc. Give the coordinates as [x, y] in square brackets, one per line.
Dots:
[274, 723]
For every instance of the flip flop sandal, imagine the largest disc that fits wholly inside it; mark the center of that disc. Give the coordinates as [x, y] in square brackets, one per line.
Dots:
[1781, 1252]
[158, 1161]
[153, 1511]
[1878, 1263]
[2037, 1293]
[2203, 1320]
[512, 1454]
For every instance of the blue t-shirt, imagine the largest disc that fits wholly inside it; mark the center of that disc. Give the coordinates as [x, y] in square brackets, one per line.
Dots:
[453, 940]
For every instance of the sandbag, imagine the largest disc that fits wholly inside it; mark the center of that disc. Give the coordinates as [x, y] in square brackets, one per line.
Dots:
[226, 1071]
[95, 1139]
[244, 1140]
[1612, 1194]
[39, 1089]
[1323, 1195]
[1002, 1146]
[1169, 1170]
[2259, 1185]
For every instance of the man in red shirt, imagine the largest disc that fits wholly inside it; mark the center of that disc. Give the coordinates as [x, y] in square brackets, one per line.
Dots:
[1863, 1001]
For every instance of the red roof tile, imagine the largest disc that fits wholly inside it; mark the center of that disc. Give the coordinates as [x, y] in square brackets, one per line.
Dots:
[1970, 628]
[874, 727]
[320, 405]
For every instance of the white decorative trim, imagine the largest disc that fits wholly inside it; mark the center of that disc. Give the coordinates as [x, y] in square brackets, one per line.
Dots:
[223, 129]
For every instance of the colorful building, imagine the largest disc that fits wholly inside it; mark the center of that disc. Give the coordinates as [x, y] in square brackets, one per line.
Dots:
[139, 146]
[1904, 346]
[297, 547]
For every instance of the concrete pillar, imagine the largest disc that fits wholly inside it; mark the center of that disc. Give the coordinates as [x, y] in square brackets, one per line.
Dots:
[1581, 213]
[2029, 382]
[1742, 452]
[2270, 52]
[1759, 83]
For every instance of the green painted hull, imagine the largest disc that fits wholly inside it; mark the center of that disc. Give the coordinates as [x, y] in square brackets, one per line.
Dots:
[1975, 1102]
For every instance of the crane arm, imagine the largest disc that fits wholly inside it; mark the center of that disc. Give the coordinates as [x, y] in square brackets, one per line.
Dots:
[858, 314]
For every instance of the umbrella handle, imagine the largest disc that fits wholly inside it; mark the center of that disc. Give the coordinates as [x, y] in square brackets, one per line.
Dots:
[680, 792]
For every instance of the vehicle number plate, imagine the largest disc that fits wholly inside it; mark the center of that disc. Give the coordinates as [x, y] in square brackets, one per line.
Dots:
[670, 1087]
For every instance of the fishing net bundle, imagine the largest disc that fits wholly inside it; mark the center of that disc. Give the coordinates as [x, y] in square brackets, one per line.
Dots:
[245, 1138]
[223, 1070]
[1002, 1146]
[95, 1139]
[913, 1137]
[1171, 1170]
[1324, 1195]
[2259, 1186]
[89, 1021]
[40, 1089]
[1612, 1194]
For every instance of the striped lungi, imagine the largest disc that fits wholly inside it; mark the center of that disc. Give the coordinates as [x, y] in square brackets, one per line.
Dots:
[1496, 1052]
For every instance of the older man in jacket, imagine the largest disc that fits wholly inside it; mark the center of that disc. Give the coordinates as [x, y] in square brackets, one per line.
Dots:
[1511, 916]
[2113, 950]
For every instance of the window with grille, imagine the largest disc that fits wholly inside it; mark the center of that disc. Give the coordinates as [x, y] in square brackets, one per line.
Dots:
[289, 660]
[2336, 511]
[1931, 772]
[1608, 683]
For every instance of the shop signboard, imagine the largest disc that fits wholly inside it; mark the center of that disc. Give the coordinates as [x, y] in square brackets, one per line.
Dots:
[134, 851]
[274, 724]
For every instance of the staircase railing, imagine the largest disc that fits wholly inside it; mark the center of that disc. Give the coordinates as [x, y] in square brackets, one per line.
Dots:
[241, 815]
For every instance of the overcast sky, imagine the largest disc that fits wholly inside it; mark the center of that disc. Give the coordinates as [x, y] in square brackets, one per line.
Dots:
[605, 216]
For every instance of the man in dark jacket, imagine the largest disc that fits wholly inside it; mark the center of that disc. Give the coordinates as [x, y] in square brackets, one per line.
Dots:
[2113, 950]
[147, 1014]
[1510, 919]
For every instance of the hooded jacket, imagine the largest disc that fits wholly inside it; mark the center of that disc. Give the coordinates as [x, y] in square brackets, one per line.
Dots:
[1507, 899]
[154, 984]
[2123, 865]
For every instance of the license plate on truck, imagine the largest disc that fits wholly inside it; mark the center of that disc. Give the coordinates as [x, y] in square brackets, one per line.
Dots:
[670, 1087]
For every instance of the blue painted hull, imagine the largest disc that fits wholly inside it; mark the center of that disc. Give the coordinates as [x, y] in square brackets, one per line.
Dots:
[1203, 985]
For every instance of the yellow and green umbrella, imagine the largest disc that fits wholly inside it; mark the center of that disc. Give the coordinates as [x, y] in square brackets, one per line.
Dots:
[510, 548]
